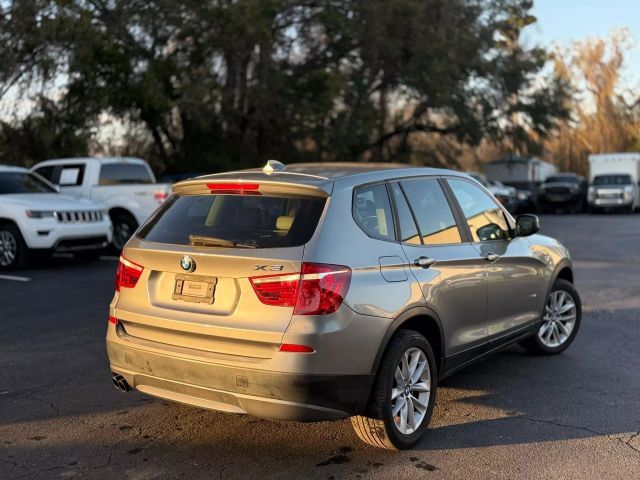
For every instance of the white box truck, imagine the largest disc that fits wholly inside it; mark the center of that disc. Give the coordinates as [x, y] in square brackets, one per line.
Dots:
[525, 174]
[520, 172]
[614, 180]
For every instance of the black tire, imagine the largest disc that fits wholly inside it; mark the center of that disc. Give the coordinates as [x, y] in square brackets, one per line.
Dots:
[11, 240]
[377, 426]
[123, 227]
[535, 345]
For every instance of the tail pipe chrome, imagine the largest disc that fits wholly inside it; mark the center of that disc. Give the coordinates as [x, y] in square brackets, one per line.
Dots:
[120, 383]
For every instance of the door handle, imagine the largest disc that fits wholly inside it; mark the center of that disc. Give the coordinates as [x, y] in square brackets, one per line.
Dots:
[424, 262]
[491, 257]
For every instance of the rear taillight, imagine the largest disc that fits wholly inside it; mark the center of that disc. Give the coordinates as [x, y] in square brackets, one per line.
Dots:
[160, 196]
[322, 288]
[127, 274]
[277, 290]
[113, 320]
[318, 289]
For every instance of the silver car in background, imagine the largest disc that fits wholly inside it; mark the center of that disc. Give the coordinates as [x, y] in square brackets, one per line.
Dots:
[323, 291]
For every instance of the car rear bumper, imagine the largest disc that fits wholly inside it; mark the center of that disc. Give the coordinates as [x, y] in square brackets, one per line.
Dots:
[205, 384]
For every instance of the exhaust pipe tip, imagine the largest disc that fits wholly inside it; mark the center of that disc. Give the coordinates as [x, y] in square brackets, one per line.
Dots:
[120, 383]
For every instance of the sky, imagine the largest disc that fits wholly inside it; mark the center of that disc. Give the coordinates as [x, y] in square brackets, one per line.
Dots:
[561, 22]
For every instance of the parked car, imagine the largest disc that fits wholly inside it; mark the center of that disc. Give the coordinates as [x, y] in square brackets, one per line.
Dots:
[126, 186]
[34, 217]
[525, 202]
[615, 182]
[317, 292]
[563, 191]
[504, 194]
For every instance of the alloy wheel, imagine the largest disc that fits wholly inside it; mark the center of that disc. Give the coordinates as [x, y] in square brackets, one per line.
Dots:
[411, 390]
[559, 319]
[8, 248]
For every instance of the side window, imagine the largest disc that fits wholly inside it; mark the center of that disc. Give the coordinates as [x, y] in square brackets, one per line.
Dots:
[433, 213]
[71, 175]
[485, 218]
[372, 211]
[46, 172]
[124, 173]
[408, 231]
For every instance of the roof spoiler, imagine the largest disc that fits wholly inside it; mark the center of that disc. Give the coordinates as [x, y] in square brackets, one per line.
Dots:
[248, 186]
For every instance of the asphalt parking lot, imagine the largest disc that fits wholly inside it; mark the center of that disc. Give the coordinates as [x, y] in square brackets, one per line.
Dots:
[576, 415]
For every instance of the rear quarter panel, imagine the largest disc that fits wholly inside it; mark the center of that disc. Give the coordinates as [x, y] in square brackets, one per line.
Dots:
[339, 240]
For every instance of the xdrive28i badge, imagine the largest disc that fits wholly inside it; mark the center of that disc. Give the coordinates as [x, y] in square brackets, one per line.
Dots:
[188, 264]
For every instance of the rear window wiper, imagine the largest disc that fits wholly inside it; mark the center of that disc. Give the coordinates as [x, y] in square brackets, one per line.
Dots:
[205, 241]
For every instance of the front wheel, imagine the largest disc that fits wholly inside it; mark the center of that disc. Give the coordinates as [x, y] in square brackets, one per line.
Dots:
[13, 251]
[560, 321]
[403, 395]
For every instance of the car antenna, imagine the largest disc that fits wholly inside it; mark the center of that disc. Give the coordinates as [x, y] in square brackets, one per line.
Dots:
[273, 166]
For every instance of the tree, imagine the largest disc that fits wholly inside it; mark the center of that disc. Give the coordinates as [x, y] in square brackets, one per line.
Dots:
[604, 117]
[225, 83]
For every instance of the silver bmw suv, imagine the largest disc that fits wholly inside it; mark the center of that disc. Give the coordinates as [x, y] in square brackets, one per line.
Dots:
[322, 291]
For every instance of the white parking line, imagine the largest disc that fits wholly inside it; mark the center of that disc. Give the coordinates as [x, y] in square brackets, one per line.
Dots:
[14, 278]
[109, 258]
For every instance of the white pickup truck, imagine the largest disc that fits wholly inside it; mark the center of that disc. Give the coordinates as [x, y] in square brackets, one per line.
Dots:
[125, 185]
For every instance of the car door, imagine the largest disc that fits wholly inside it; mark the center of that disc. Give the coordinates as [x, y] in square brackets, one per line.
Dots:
[68, 176]
[512, 270]
[449, 269]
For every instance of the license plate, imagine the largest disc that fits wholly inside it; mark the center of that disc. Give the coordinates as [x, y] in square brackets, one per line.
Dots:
[194, 288]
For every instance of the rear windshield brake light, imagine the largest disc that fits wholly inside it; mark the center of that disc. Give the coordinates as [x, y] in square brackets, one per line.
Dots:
[236, 188]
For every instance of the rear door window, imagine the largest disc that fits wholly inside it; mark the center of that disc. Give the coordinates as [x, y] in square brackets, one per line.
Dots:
[372, 211]
[71, 175]
[408, 230]
[46, 172]
[124, 173]
[65, 175]
[435, 219]
[241, 221]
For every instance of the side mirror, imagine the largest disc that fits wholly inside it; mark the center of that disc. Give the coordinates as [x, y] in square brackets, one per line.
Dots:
[527, 225]
[489, 232]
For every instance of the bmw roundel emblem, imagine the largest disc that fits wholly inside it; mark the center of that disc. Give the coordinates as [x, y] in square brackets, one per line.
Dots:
[187, 263]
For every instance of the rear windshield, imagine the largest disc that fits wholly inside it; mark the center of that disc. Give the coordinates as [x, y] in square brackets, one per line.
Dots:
[612, 180]
[22, 182]
[241, 221]
[124, 173]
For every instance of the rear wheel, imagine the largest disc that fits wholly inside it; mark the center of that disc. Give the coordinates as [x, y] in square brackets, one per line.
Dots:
[123, 227]
[403, 395]
[560, 321]
[13, 251]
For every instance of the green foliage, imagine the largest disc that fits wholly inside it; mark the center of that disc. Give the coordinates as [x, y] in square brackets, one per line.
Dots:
[228, 83]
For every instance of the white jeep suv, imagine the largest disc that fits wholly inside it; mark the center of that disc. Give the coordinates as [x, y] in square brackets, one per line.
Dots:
[35, 217]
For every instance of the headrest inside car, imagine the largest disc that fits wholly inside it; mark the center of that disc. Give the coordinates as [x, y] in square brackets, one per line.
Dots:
[284, 223]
